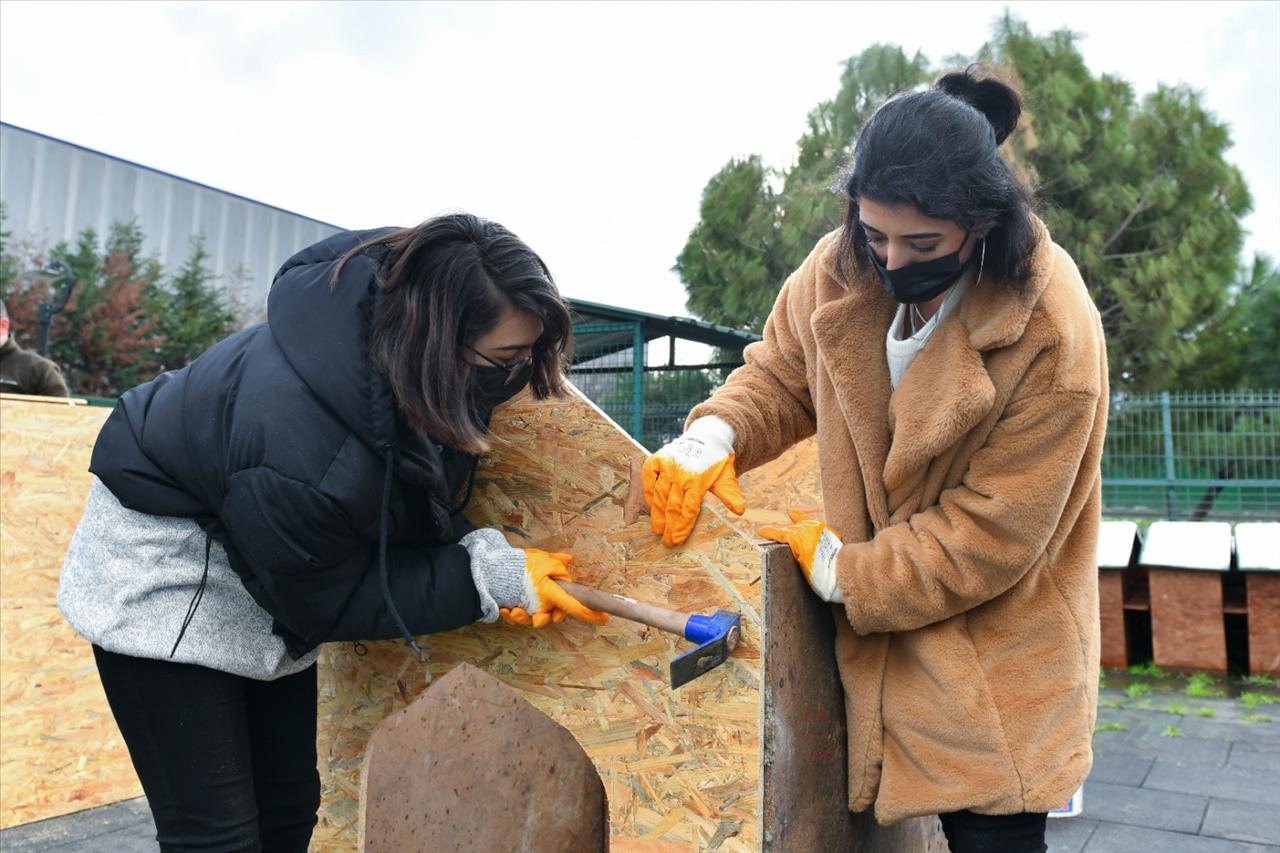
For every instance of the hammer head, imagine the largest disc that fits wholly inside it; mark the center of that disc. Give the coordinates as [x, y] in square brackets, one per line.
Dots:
[717, 636]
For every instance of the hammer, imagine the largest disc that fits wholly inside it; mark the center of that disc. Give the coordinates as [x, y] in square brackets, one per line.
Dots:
[717, 636]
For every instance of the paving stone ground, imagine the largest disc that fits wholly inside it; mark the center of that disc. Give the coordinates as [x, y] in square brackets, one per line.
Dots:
[1167, 782]
[1213, 788]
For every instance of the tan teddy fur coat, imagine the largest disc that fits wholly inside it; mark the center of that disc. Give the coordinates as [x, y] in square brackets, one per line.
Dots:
[969, 501]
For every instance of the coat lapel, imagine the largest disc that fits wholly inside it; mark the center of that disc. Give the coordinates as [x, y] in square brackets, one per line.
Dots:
[947, 391]
[849, 331]
[943, 396]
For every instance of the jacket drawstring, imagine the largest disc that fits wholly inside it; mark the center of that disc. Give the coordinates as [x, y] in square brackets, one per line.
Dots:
[195, 599]
[384, 521]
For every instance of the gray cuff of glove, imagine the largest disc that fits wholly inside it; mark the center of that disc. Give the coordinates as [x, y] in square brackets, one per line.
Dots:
[497, 569]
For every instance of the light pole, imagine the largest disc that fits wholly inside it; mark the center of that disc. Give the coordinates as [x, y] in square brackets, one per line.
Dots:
[58, 275]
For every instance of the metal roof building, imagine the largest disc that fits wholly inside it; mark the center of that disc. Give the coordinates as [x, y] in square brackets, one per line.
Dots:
[53, 189]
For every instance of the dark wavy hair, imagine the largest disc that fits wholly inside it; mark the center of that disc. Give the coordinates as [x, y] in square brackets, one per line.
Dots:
[938, 151]
[445, 284]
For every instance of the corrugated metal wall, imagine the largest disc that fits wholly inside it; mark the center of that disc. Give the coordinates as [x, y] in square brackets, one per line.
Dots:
[52, 190]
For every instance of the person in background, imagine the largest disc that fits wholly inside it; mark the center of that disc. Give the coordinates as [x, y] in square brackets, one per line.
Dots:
[952, 364]
[303, 482]
[25, 372]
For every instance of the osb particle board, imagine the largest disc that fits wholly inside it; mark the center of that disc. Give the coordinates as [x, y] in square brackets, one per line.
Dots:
[681, 768]
[792, 481]
[61, 750]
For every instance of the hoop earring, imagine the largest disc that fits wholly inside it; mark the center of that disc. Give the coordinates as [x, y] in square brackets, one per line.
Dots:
[982, 261]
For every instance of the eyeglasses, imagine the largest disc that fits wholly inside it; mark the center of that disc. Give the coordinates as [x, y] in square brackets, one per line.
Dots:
[513, 368]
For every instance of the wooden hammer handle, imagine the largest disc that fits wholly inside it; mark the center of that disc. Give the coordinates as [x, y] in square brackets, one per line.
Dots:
[637, 611]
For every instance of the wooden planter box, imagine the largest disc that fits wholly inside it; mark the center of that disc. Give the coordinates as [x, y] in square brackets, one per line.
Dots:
[1258, 556]
[1116, 543]
[1185, 562]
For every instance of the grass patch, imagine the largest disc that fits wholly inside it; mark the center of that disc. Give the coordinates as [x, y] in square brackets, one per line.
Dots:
[1257, 718]
[1171, 731]
[1146, 670]
[1114, 703]
[1253, 701]
[1260, 680]
[1204, 712]
[1138, 689]
[1111, 727]
[1204, 686]
[1178, 709]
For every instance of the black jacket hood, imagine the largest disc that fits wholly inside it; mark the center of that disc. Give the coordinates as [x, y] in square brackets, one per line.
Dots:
[306, 306]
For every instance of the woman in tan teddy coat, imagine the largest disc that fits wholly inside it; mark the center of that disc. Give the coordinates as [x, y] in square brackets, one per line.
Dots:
[952, 364]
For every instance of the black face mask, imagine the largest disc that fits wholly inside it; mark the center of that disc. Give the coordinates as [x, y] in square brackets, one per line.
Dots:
[921, 281]
[493, 386]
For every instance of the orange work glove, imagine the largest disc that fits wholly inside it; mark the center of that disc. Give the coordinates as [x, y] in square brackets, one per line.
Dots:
[814, 545]
[543, 600]
[678, 476]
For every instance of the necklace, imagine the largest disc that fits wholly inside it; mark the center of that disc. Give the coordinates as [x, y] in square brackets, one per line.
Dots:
[916, 322]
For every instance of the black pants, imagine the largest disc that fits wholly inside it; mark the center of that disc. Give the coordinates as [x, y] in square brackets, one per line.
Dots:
[227, 763]
[968, 832]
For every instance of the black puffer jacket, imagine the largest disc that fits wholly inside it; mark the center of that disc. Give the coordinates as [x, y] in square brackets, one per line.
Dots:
[285, 444]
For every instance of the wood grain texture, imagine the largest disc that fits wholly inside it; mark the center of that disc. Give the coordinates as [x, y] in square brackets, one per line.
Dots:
[1263, 595]
[1187, 629]
[792, 481]
[62, 751]
[1115, 644]
[805, 746]
[471, 767]
[680, 768]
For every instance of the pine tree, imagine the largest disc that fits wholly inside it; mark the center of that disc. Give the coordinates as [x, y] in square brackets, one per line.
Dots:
[758, 224]
[105, 340]
[1139, 193]
[123, 325]
[193, 314]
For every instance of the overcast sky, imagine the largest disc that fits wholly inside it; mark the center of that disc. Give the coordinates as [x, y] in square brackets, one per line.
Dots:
[589, 129]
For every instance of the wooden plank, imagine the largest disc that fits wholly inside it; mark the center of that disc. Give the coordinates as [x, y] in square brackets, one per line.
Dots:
[1187, 628]
[677, 765]
[62, 750]
[471, 766]
[36, 398]
[1115, 645]
[1185, 561]
[1258, 556]
[792, 481]
[1263, 591]
[804, 741]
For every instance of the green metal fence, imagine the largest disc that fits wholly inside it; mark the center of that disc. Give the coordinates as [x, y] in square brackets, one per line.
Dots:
[1213, 454]
[650, 402]
[1201, 455]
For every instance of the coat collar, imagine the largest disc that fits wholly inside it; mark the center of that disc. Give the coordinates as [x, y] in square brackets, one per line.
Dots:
[944, 395]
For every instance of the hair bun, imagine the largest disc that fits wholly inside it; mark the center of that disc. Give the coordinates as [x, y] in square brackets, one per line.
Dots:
[996, 100]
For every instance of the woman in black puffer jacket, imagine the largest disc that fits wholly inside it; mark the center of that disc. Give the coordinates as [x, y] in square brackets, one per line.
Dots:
[303, 482]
